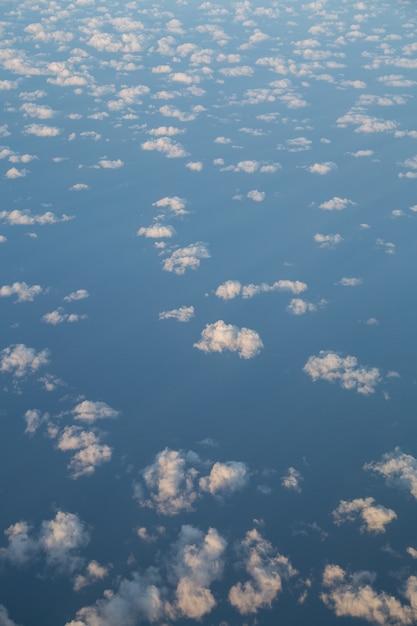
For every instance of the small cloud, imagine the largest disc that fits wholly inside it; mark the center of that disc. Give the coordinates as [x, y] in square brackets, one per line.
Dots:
[186, 258]
[156, 231]
[292, 480]
[79, 187]
[111, 165]
[255, 195]
[322, 168]
[336, 204]
[219, 337]
[14, 173]
[194, 166]
[183, 314]
[349, 282]
[80, 294]
[374, 517]
[327, 241]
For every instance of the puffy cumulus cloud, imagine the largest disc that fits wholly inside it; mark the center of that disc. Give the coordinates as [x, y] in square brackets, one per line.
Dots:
[156, 231]
[20, 218]
[375, 517]
[5, 620]
[322, 168]
[59, 317]
[79, 187]
[362, 153]
[34, 419]
[80, 294]
[111, 165]
[183, 314]
[398, 469]
[90, 452]
[194, 166]
[256, 196]
[171, 149]
[345, 370]
[169, 482]
[14, 173]
[22, 291]
[39, 111]
[225, 478]
[167, 131]
[336, 204]
[327, 241]
[41, 131]
[173, 203]
[352, 595]
[20, 360]
[233, 288]
[366, 123]
[93, 572]
[186, 258]
[298, 306]
[267, 569]
[292, 480]
[88, 411]
[349, 281]
[220, 336]
[196, 563]
[58, 540]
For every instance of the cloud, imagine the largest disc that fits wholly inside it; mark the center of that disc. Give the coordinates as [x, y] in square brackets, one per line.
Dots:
[20, 360]
[79, 187]
[256, 196]
[292, 480]
[336, 204]
[328, 241]
[90, 452]
[219, 336]
[170, 483]
[94, 571]
[194, 166]
[352, 595]
[362, 153]
[267, 569]
[398, 469]
[41, 131]
[23, 291]
[332, 367]
[20, 218]
[58, 317]
[156, 231]
[374, 517]
[225, 478]
[183, 314]
[349, 281]
[171, 149]
[111, 165]
[90, 412]
[322, 168]
[174, 203]
[196, 563]
[186, 258]
[233, 288]
[14, 173]
[80, 294]
[298, 306]
[4, 615]
[58, 541]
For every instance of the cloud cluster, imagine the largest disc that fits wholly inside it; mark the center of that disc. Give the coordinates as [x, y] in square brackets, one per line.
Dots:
[186, 258]
[375, 517]
[345, 370]
[233, 288]
[20, 360]
[20, 218]
[172, 483]
[23, 291]
[220, 336]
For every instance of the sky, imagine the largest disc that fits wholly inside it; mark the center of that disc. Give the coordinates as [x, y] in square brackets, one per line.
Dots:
[207, 246]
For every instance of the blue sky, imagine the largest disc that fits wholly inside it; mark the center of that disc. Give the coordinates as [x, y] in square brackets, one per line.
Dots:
[207, 242]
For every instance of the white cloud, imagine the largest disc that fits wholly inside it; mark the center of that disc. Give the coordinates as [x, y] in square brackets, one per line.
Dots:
[94, 571]
[322, 168]
[267, 569]
[225, 478]
[362, 153]
[186, 258]
[90, 452]
[336, 204]
[41, 131]
[88, 411]
[347, 281]
[174, 203]
[4, 614]
[59, 317]
[20, 218]
[21, 360]
[170, 483]
[156, 231]
[111, 165]
[80, 294]
[229, 290]
[248, 291]
[327, 241]
[256, 196]
[398, 469]
[13, 173]
[387, 245]
[39, 111]
[183, 314]
[23, 291]
[219, 336]
[332, 367]
[167, 131]
[298, 306]
[374, 517]
[353, 595]
[194, 166]
[292, 480]
[165, 145]
[79, 187]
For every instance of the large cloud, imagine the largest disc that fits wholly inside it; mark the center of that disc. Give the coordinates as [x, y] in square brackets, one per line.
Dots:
[352, 595]
[345, 370]
[266, 568]
[220, 336]
[374, 516]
